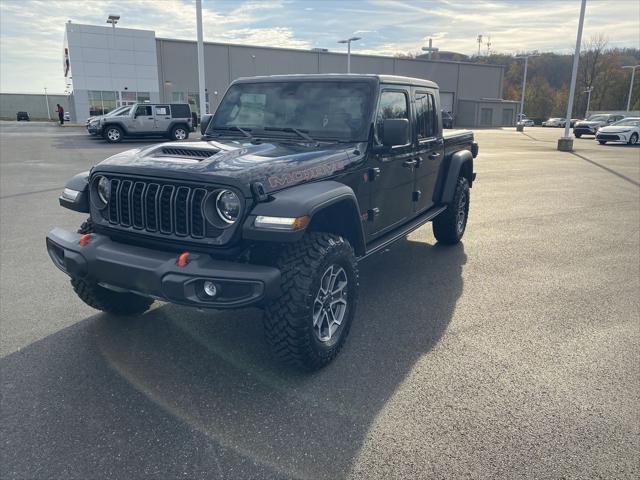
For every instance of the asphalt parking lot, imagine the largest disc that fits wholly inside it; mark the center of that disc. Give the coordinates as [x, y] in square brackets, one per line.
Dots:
[513, 355]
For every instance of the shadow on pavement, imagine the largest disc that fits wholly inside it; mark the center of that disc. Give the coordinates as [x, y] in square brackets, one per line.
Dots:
[607, 169]
[178, 392]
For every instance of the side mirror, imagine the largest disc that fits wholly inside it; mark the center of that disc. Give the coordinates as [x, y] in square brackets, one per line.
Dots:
[395, 131]
[205, 120]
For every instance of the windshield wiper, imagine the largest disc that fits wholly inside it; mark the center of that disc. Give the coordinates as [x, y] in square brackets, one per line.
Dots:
[300, 133]
[237, 129]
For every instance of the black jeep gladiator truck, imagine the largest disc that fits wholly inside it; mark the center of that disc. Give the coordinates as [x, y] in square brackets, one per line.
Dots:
[296, 179]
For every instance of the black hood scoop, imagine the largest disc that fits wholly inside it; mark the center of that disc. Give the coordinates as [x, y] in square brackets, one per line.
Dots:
[184, 152]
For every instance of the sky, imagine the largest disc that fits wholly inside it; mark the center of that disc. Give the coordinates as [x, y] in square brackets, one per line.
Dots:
[32, 31]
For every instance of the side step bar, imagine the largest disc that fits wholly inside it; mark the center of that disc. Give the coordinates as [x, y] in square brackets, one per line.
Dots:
[404, 230]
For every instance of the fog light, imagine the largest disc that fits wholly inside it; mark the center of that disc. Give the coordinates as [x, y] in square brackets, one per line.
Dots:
[210, 288]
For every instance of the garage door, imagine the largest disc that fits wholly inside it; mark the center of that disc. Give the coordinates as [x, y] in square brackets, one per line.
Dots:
[446, 101]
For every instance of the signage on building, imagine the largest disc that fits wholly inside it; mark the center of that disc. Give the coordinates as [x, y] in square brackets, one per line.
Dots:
[66, 62]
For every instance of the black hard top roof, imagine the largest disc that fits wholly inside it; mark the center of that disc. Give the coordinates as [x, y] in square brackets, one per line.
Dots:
[396, 79]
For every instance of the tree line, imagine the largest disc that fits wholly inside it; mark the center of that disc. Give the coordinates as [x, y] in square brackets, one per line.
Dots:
[549, 75]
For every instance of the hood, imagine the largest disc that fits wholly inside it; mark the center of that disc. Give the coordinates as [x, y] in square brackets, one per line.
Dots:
[275, 165]
[616, 128]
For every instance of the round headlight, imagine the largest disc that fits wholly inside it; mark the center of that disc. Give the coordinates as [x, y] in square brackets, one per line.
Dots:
[103, 189]
[228, 206]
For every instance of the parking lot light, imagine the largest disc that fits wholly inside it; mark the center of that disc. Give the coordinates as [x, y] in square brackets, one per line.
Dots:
[348, 42]
[633, 74]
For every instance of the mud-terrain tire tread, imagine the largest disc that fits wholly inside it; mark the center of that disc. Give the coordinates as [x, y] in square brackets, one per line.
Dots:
[111, 302]
[286, 319]
[444, 225]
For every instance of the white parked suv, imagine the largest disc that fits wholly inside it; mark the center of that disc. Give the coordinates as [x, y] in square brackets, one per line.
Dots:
[626, 130]
[555, 122]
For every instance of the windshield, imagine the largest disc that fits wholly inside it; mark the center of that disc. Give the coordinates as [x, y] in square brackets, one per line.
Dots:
[322, 109]
[630, 122]
[597, 118]
[119, 111]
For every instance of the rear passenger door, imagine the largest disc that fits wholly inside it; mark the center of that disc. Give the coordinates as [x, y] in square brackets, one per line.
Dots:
[162, 117]
[393, 184]
[429, 146]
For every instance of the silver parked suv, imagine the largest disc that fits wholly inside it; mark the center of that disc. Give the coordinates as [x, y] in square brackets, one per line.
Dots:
[148, 120]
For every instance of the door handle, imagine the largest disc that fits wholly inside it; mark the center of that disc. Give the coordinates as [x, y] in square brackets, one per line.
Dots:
[410, 163]
[434, 156]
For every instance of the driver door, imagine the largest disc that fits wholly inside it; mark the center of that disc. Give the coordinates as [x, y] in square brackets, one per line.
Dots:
[143, 121]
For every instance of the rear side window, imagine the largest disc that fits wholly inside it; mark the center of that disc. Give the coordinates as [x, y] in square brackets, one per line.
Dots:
[180, 110]
[426, 115]
[392, 104]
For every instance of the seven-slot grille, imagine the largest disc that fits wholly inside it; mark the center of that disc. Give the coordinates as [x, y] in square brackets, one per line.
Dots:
[157, 208]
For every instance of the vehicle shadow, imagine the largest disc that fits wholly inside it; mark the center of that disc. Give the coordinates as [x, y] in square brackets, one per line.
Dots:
[207, 382]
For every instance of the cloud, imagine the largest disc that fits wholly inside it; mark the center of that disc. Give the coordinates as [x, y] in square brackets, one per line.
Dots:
[32, 31]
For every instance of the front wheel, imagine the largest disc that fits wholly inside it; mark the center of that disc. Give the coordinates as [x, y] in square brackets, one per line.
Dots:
[602, 142]
[118, 303]
[113, 134]
[449, 226]
[578, 135]
[308, 325]
[633, 139]
[179, 133]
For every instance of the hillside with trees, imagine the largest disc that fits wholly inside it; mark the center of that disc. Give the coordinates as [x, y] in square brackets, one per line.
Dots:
[549, 75]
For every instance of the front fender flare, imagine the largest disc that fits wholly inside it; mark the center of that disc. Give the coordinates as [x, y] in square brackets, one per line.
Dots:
[79, 183]
[461, 164]
[308, 199]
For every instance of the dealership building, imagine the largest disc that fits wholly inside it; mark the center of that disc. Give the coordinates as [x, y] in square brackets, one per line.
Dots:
[108, 67]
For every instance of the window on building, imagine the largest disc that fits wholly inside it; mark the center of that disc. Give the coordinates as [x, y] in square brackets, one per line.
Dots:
[143, 97]
[392, 105]
[486, 116]
[101, 102]
[108, 101]
[177, 97]
[426, 115]
[127, 97]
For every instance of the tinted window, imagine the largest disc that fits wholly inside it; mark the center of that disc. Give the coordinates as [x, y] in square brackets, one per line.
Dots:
[425, 115]
[162, 110]
[632, 122]
[323, 109]
[392, 105]
[180, 110]
[143, 110]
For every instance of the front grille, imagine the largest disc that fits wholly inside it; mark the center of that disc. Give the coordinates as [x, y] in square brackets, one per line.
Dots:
[157, 208]
[608, 136]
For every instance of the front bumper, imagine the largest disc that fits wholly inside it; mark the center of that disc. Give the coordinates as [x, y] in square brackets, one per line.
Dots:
[155, 273]
[585, 130]
[93, 128]
[612, 137]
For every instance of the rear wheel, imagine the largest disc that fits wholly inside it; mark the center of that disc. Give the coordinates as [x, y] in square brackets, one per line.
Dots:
[449, 226]
[309, 323]
[633, 139]
[113, 134]
[118, 303]
[179, 132]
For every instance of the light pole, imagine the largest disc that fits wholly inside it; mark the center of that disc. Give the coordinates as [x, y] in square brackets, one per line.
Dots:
[588, 92]
[348, 42]
[633, 74]
[524, 82]
[46, 100]
[565, 143]
[201, 89]
[113, 19]
[430, 49]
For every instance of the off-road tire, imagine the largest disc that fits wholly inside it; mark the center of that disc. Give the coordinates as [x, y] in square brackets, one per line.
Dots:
[174, 136]
[113, 138]
[577, 135]
[288, 321]
[446, 226]
[633, 139]
[109, 301]
[602, 142]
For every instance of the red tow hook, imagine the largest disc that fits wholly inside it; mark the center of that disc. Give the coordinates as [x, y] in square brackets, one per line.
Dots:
[183, 259]
[84, 239]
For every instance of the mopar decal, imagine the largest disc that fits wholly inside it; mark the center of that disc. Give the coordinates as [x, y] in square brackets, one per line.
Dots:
[306, 174]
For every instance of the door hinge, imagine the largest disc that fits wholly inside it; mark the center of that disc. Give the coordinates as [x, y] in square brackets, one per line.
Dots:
[372, 174]
[416, 195]
[373, 213]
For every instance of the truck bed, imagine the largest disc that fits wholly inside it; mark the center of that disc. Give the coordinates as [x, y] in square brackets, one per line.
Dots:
[455, 140]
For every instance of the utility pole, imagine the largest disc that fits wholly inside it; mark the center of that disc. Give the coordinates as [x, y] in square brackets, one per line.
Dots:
[633, 74]
[588, 92]
[479, 40]
[348, 42]
[430, 49]
[201, 86]
[565, 143]
[46, 100]
[488, 45]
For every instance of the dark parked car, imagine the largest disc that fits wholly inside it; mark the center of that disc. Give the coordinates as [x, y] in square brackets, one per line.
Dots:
[591, 125]
[296, 179]
[23, 116]
[447, 119]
